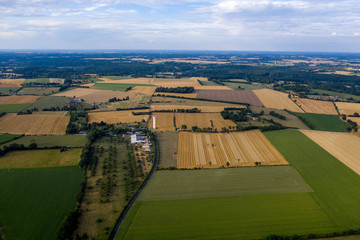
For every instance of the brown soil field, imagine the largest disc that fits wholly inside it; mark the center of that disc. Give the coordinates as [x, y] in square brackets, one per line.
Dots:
[214, 150]
[33, 124]
[186, 95]
[165, 121]
[343, 146]
[348, 108]
[238, 96]
[11, 82]
[157, 107]
[142, 90]
[212, 88]
[112, 117]
[275, 99]
[94, 95]
[168, 146]
[316, 106]
[18, 99]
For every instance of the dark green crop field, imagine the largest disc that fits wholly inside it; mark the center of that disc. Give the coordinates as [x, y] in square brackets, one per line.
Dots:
[237, 217]
[179, 184]
[7, 137]
[117, 86]
[323, 122]
[336, 187]
[13, 108]
[34, 202]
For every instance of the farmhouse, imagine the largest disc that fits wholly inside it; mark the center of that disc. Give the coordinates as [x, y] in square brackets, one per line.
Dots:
[135, 138]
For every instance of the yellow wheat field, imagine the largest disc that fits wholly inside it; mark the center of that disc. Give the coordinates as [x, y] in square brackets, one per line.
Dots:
[160, 82]
[88, 85]
[214, 150]
[10, 83]
[33, 124]
[275, 99]
[18, 99]
[204, 109]
[316, 106]
[344, 146]
[348, 108]
[112, 117]
[165, 121]
[142, 90]
[94, 95]
[186, 95]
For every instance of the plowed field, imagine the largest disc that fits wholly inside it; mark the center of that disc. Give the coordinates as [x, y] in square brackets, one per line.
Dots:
[213, 150]
[316, 106]
[244, 96]
[343, 146]
[275, 99]
[33, 124]
[112, 117]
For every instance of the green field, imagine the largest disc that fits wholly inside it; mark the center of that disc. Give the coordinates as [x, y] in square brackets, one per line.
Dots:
[170, 184]
[209, 83]
[237, 217]
[40, 158]
[13, 108]
[243, 86]
[323, 122]
[37, 80]
[36, 201]
[40, 91]
[7, 137]
[117, 77]
[336, 187]
[117, 86]
[331, 93]
[54, 101]
[5, 90]
[51, 141]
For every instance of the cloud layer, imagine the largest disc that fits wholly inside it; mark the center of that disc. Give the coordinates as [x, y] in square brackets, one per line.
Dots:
[284, 25]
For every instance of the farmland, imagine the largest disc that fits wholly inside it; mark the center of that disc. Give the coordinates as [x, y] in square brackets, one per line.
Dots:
[323, 122]
[11, 83]
[33, 124]
[319, 168]
[48, 102]
[13, 108]
[181, 95]
[214, 150]
[316, 106]
[94, 95]
[143, 90]
[237, 85]
[348, 108]
[40, 91]
[111, 117]
[168, 147]
[51, 141]
[277, 100]
[245, 96]
[219, 87]
[40, 158]
[37, 80]
[214, 109]
[165, 121]
[37, 200]
[7, 90]
[7, 137]
[116, 86]
[167, 184]
[190, 102]
[343, 146]
[17, 99]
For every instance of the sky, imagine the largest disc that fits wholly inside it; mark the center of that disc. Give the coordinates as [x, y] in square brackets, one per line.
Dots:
[258, 25]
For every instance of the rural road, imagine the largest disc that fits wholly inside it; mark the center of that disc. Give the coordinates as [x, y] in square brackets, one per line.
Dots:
[124, 213]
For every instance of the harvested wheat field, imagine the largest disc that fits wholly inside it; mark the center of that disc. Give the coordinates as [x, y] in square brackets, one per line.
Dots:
[88, 85]
[316, 106]
[348, 108]
[112, 117]
[165, 121]
[143, 90]
[94, 95]
[237, 96]
[212, 88]
[214, 150]
[33, 124]
[185, 95]
[173, 83]
[18, 99]
[130, 80]
[275, 99]
[10, 83]
[204, 109]
[343, 146]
